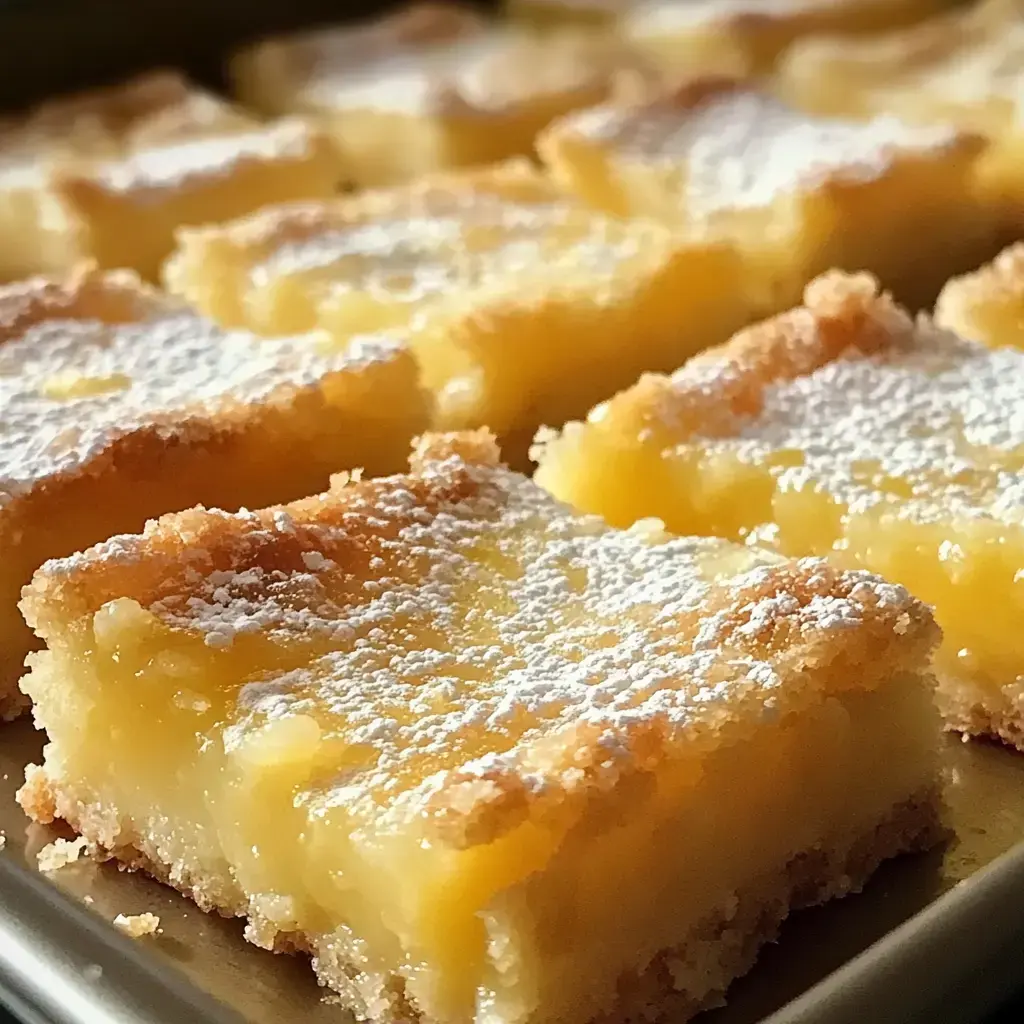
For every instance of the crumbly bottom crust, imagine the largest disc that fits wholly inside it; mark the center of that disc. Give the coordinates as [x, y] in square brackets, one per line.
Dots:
[970, 711]
[719, 950]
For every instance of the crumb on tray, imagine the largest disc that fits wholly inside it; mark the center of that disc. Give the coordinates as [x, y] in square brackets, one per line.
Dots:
[137, 925]
[61, 852]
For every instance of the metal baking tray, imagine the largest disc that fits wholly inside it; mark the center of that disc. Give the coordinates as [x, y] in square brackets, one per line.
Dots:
[952, 962]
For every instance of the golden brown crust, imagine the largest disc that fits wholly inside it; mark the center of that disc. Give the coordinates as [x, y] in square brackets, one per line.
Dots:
[180, 542]
[841, 313]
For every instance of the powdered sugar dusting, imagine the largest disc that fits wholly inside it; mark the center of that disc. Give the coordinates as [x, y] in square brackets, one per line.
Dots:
[448, 634]
[69, 388]
[741, 148]
[933, 423]
[460, 65]
[432, 242]
[182, 163]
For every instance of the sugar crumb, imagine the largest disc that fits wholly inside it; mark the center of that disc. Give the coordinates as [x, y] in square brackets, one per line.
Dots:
[137, 925]
[61, 852]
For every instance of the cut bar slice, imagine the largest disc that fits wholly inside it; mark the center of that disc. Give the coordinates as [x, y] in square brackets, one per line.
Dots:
[109, 175]
[548, 14]
[840, 428]
[965, 67]
[523, 307]
[117, 404]
[751, 34]
[797, 194]
[988, 305]
[486, 760]
[431, 87]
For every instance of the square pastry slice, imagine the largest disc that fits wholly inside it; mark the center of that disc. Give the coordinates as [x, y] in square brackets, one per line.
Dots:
[118, 404]
[965, 67]
[110, 174]
[988, 305]
[798, 194]
[751, 34]
[485, 759]
[523, 307]
[840, 428]
[430, 87]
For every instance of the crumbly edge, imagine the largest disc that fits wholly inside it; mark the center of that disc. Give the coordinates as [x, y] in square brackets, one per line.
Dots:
[965, 710]
[834, 869]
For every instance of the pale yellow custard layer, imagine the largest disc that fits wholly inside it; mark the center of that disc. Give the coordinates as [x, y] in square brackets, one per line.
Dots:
[486, 759]
[840, 428]
[523, 307]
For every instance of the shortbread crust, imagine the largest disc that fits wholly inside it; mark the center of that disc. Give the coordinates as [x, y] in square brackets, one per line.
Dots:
[424, 727]
[988, 304]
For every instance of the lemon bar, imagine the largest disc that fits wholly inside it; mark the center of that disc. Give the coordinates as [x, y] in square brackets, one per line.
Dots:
[798, 194]
[840, 428]
[109, 175]
[751, 34]
[430, 87]
[548, 14]
[523, 307]
[988, 305]
[117, 404]
[484, 759]
[965, 67]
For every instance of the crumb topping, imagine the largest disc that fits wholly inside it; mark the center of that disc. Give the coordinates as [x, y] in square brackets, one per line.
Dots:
[72, 384]
[460, 623]
[742, 148]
